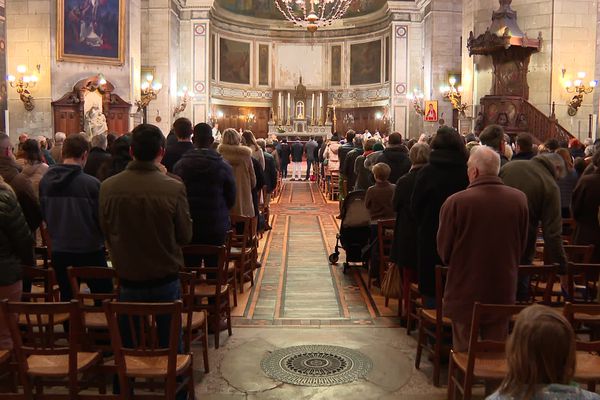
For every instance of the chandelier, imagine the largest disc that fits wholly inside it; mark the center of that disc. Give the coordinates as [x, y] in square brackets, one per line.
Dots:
[312, 14]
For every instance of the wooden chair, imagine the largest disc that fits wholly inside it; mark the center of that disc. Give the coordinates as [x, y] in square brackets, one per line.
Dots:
[44, 287]
[579, 253]
[46, 356]
[415, 301]
[569, 225]
[193, 323]
[211, 291]
[44, 251]
[485, 359]
[385, 241]
[94, 318]
[541, 279]
[588, 358]
[241, 249]
[334, 185]
[433, 325]
[582, 282]
[139, 353]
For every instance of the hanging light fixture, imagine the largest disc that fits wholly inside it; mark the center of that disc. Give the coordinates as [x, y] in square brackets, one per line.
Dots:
[312, 14]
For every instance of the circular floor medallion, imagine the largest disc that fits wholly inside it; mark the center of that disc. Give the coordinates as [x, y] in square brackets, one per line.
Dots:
[316, 365]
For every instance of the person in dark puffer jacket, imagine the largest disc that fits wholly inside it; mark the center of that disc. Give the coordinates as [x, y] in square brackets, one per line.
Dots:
[69, 201]
[16, 249]
[210, 186]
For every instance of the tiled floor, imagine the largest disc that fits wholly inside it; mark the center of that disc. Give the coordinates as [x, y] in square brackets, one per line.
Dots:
[299, 298]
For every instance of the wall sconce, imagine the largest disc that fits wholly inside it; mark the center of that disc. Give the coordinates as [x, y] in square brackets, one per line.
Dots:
[185, 98]
[213, 118]
[580, 89]
[453, 94]
[22, 83]
[250, 119]
[149, 92]
[416, 97]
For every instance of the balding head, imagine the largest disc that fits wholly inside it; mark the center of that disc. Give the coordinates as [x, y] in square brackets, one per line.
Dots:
[484, 161]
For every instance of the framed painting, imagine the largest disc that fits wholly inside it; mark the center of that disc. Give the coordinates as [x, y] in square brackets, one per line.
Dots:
[263, 64]
[336, 65]
[431, 111]
[365, 63]
[91, 31]
[234, 61]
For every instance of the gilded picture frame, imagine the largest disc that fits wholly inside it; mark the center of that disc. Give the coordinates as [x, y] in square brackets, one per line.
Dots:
[89, 32]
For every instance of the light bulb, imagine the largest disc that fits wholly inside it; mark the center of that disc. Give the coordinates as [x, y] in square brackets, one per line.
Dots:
[460, 89]
[219, 114]
[26, 79]
[581, 75]
[578, 82]
[452, 81]
[21, 69]
[568, 84]
[34, 78]
[11, 78]
[149, 77]
[593, 83]
[156, 86]
[145, 86]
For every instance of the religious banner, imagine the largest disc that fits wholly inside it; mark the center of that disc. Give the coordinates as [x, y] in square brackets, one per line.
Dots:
[91, 31]
[431, 111]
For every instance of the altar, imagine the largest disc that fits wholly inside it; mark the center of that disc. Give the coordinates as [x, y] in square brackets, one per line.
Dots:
[301, 116]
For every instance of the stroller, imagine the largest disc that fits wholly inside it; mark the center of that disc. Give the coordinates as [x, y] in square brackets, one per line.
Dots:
[354, 232]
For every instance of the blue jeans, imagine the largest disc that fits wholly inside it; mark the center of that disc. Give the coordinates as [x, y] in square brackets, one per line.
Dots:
[62, 260]
[168, 292]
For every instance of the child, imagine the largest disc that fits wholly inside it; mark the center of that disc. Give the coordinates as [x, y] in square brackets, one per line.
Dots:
[378, 201]
[541, 359]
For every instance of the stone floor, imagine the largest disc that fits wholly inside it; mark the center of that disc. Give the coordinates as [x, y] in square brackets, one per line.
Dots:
[299, 298]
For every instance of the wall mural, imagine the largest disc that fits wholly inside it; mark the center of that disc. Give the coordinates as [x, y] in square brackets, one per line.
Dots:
[91, 31]
[294, 60]
[365, 63]
[336, 65]
[268, 9]
[263, 64]
[3, 92]
[234, 61]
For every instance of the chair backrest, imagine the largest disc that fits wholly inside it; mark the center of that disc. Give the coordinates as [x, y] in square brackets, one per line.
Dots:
[241, 231]
[385, 238]
[441, 273]
[588, 285]
[538, 275]
[578, 253]
[207, 275]
[86, 299]
[36, 329]
[499, 312]
[188, 285]
[569, 225]
[40, 278]
[134, 330]
[577, 314]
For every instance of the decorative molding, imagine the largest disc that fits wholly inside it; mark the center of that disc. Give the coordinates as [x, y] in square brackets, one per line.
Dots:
[199, 29]
[360, 95]
[240, 94]
[402, 31]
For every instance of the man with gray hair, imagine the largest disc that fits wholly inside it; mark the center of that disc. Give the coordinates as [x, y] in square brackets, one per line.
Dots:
[481, 238]
[56, 151]
[537, 179]
[98, 155]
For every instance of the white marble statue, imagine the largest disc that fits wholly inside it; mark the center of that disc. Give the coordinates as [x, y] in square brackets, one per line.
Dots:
[95, 123]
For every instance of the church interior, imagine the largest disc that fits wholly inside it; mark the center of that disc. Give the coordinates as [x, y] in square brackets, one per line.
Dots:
[300, 306]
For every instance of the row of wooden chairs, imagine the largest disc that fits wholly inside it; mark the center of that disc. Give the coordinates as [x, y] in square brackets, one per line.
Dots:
[485, 360]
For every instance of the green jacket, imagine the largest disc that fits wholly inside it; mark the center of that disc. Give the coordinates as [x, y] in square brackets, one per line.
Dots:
[16, 241]
[145, 218]
[536, 178]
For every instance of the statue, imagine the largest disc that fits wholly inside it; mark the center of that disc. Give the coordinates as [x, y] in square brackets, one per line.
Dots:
[95, 122]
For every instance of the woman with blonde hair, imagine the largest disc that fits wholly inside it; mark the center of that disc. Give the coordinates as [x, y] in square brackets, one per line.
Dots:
[250, 141]
[541, 359]
[240, 159]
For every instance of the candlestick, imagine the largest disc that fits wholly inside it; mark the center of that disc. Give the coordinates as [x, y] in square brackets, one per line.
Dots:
[289, 109]
[312, 109]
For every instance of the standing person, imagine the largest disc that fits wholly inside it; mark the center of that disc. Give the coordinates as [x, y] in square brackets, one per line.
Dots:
[486, 273]
[56, 151]
[210, 186]
[494, 137]
[524, 147]
[348, 167]
[396, 156]
[297, 152]
[363, 174]
[257, 153]
[16, 249]
[34, 167]
[404, 250]
[118, 160]
[284, 152]
[586, 206]
[537, 179]
[10, 172]
[98, 155]
[309, 150]
[270, 182]
[69, 201]
[346, 148]
[46, 156]
[445, 175]
[240, 159]
[183, 132]
[331, 154]
[567, 183]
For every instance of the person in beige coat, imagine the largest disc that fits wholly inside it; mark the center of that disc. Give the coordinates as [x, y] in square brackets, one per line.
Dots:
[239, 157]
[34, 168]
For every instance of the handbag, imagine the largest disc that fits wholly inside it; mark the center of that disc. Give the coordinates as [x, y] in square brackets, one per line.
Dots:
[390, 287]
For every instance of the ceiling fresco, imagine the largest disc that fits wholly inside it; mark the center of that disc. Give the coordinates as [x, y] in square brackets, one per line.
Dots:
[268, 9]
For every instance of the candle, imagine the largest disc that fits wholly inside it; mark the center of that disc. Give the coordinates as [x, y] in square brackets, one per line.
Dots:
[312, 109]
[289, 108]
[320, 116]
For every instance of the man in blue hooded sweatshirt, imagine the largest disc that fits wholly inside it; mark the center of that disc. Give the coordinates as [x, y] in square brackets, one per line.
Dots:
[69, 203]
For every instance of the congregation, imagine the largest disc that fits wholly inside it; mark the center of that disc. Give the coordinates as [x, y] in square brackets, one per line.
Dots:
[478, 205]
